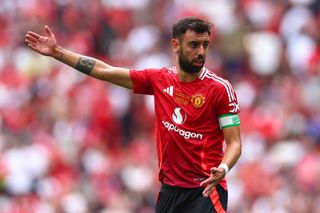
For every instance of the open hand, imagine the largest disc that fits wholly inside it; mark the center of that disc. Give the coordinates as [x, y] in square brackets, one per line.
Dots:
[217, 174]
[44, 45]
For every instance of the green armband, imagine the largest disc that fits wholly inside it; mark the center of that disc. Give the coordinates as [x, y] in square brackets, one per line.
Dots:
[228, 120]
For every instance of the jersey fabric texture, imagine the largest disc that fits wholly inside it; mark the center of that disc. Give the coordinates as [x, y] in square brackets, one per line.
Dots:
[189, 137]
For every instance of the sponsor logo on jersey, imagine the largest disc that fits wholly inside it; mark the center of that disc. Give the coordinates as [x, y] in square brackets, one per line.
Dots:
[169, 90]
[197, 100]
[186, 134]
[178, 116]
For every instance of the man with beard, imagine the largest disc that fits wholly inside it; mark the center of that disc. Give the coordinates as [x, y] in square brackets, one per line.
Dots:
[196, 112]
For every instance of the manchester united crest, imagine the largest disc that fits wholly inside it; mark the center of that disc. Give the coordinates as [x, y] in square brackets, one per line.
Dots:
[197, 100]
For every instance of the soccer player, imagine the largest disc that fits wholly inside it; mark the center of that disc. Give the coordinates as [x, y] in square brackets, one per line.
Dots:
[196, 112]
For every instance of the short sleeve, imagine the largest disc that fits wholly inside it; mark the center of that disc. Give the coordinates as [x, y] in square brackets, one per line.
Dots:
[228, 107]
[142, 81]
[228, 102]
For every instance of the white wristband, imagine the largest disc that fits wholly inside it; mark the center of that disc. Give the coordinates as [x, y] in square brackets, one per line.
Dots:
[225, 167]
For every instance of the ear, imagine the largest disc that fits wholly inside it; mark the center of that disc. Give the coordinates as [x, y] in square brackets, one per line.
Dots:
[175, 44]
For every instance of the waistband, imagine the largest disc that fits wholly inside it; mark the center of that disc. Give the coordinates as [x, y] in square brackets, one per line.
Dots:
[177, 188]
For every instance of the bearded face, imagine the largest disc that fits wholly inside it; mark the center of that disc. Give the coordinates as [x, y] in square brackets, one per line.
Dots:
[191, 50]
[191, 66]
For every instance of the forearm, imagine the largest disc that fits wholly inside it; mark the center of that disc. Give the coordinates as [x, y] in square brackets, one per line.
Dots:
[233, 151]
[94, 67]
[230, 158]
[232, 154]
[84, 64]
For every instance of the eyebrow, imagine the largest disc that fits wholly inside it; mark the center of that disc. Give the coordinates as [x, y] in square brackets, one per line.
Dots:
[199, 41]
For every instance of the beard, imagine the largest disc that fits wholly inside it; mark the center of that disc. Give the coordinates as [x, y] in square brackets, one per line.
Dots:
[188, 66]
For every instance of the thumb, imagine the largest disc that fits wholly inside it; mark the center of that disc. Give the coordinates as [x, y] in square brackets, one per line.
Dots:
[48, 31]
[205, 182]
[214, 170]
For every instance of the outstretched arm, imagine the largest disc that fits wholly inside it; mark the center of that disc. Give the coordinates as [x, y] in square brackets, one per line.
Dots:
[231, 156]
[47, 45]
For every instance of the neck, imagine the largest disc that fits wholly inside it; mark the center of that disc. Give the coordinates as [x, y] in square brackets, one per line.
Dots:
[186, 76]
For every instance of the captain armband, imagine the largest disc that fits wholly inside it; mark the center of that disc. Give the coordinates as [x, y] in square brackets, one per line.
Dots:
[229, 120]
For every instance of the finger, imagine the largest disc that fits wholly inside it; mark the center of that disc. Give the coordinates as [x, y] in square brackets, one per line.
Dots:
[32, 34]
[215, 170]
[32, 46]
[208, 190]
[205, 191]
[218, 171]
[212, 180]
[30, 42]
[48, 31]
[207, 181]
[31, 38]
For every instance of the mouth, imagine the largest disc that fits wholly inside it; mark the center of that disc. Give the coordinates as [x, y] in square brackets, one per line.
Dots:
[198, 62]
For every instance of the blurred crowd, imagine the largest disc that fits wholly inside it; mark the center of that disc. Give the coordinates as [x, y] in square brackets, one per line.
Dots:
[73, 144]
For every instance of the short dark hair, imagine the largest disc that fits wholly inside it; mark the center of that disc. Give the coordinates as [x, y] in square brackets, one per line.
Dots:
[193, 23]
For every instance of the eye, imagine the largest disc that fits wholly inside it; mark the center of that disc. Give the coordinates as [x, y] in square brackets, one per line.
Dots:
[194, 44]
[205, 45]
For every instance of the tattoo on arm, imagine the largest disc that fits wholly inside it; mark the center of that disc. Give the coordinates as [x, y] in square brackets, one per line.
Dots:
[85, 65]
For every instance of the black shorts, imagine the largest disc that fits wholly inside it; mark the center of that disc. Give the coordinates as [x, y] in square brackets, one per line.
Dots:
[173, 199]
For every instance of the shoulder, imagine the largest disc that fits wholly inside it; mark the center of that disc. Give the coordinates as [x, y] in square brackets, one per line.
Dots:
[220, 85]
[152, 75]
[163, 72]
[215, 80]
[171, 70]
[147, 73]
[153, 71]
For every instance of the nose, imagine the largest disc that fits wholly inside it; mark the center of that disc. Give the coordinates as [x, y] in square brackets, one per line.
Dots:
[201, 50]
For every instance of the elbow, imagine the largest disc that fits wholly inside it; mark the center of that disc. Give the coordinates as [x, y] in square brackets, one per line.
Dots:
[101, 73]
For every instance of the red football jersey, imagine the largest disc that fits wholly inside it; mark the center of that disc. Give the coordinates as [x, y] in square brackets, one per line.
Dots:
[189, 135]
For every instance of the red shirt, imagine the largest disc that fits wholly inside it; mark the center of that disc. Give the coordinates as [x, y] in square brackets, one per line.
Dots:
[189, 138]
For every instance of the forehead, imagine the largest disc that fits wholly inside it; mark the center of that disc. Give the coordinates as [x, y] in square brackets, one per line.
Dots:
[194, 36]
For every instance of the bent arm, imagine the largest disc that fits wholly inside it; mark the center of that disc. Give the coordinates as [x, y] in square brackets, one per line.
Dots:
[94, 67]
[234, 144]
[230, 158]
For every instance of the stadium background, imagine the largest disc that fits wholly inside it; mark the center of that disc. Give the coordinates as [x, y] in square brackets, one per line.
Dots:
[73, 144]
